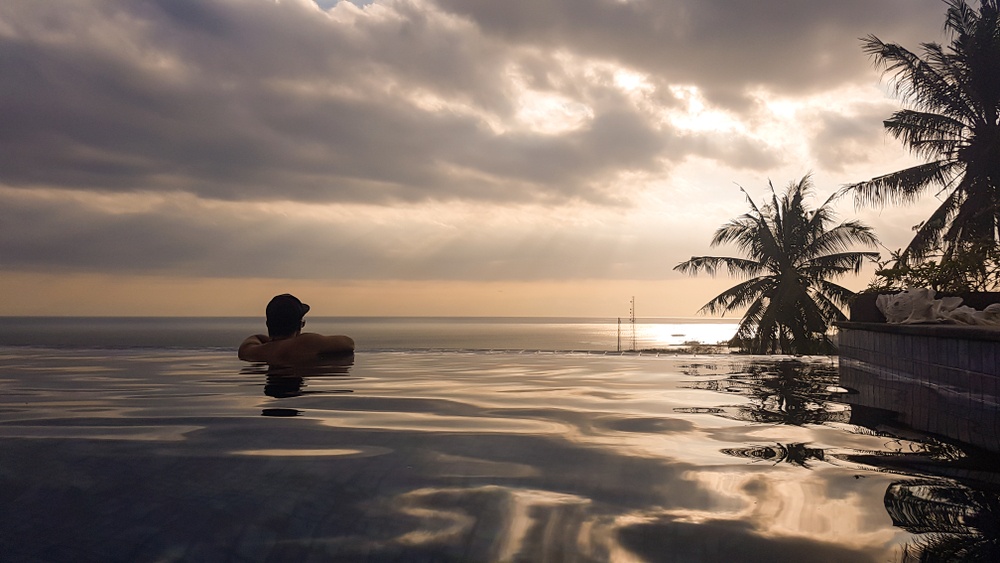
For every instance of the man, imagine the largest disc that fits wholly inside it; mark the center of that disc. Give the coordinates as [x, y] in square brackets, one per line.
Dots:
[285, 342]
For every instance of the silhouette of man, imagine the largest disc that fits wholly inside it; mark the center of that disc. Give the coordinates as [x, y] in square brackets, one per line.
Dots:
[285, 342]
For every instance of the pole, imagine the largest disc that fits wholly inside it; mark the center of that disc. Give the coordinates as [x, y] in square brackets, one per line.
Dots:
[631, 312]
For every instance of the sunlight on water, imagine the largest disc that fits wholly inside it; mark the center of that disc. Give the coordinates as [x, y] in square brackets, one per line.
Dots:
[663, 335]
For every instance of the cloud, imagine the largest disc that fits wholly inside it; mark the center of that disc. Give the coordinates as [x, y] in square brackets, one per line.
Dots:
[390, 104]
[843, 139]
[423, 139]
[65, 231]
[725, 46]
[399, 101]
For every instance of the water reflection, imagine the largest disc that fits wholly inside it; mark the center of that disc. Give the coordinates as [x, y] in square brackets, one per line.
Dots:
[954, 508]
[472, 457]
[795, 454]
[782, 392]
[289, 381]
[281, 412]
[955, 522]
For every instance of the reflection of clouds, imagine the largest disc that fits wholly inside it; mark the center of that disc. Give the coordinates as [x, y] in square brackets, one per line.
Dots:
[772, 504]
[668, 538]
[510, 524]
[645, 424]
[498, 523]
[462, 466]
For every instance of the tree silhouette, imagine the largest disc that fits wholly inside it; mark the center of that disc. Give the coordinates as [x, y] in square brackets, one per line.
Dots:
[790, 254]
[954, 122]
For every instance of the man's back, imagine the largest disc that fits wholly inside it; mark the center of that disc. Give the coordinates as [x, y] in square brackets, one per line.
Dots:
[304, 347]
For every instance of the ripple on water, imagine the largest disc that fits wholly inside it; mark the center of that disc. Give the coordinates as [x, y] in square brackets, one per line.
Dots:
[465, 456]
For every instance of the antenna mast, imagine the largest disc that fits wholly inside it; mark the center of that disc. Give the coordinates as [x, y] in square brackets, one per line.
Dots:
[631, 313]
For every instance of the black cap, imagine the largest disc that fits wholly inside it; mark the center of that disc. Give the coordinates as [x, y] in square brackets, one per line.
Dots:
[284, 314]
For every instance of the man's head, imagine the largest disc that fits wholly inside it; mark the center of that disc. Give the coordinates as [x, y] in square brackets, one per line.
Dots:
[284, 315]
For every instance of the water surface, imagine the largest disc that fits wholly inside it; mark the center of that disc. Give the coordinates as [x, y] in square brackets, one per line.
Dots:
[372, 333]
[181, 455]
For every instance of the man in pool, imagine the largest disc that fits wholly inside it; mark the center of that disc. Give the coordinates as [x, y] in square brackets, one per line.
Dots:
[285, 342]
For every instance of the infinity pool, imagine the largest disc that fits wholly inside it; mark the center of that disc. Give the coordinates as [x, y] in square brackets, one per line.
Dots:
[177, 455]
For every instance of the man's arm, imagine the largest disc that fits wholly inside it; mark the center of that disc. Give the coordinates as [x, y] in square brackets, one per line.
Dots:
[250, 348]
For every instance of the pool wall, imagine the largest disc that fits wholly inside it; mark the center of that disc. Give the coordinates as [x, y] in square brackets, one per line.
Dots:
[941, 379]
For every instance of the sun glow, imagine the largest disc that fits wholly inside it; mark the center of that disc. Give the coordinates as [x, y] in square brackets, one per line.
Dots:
[552, 114]
[632, 81]
[697, 115]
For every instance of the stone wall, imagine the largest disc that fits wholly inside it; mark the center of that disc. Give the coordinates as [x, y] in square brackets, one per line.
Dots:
[941, 379]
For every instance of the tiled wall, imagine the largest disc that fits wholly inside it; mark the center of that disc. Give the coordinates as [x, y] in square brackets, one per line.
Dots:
[940, 379]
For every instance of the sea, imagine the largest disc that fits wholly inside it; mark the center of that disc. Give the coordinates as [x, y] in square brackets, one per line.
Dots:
[454, 440]
[376, 333]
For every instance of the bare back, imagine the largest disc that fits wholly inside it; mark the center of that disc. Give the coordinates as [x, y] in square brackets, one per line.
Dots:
[304, 347]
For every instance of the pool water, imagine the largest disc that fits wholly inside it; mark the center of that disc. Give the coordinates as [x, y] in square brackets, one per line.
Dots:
[191, 455]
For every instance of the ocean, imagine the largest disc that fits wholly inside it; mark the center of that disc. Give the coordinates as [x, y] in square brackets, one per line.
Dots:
[147, 440]
[372, 333]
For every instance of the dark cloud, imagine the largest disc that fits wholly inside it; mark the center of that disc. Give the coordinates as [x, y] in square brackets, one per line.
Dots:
[193, 14]
[724, 46]
[846, 139]
[284, 104]
[267, 100]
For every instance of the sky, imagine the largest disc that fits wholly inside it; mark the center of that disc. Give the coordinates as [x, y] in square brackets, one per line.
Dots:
[423, 157]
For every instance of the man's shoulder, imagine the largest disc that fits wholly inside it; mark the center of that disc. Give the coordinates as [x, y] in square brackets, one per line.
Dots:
[321, 344]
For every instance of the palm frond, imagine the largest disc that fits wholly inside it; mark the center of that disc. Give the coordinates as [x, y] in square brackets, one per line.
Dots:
[953, 120]
[711, 264]
[956, 99]
[835, 294]
[739, 296]
[842, 237]
[834, 265]
[976, 216]
[912, 78]
[930, 233]
[904, 186]
[929, 135]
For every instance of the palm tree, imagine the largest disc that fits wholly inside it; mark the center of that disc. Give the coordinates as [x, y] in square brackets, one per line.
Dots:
[790, 253]
[954, 122]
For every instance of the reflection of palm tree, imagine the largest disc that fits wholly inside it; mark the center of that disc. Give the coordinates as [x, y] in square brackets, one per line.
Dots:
[795, 454]
[785, 392]
[791, 253]
[958, 523]
[955, 94]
